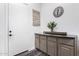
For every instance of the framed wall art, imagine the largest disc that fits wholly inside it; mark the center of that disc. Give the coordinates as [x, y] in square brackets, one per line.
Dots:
[36, 18]
[58, 11]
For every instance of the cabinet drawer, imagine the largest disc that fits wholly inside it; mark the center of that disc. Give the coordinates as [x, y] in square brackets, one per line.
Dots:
[64, 50]
[66, 41]
[37, 43]
[43, 45]
[52, 47]
[51, 39]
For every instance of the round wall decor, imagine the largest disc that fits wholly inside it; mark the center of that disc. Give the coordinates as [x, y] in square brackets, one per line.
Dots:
[58, 11]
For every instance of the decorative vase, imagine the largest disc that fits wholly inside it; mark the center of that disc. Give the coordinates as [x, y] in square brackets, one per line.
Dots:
[51, 30]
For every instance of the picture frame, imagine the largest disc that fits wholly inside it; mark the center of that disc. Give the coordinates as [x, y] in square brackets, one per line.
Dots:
[36, 17]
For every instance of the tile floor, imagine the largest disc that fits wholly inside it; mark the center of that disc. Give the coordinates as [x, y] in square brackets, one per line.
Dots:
[34, 52]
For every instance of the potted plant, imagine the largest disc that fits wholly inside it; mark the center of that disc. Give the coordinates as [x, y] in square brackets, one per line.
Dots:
[52, 25]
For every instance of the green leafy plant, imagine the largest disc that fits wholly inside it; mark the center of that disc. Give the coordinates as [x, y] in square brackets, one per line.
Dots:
[52, 25]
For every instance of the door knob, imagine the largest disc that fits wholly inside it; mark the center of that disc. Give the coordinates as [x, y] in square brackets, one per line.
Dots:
[10, 34]
[10, 31]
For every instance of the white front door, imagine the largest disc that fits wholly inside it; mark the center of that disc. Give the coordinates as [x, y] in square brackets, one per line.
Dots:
[18, 20]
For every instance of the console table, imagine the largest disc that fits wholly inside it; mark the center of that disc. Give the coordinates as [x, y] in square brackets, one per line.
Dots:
[56, 45]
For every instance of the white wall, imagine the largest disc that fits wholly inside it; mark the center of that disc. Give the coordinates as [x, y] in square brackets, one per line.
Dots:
[30, 37]
[68, 22]
[3, 30]
[34, 29]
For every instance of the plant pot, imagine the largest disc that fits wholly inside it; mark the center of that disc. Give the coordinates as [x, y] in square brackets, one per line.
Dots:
[51, 30]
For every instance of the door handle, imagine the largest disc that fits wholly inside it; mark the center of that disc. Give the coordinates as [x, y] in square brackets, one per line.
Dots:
[10, 31]
[10, 34]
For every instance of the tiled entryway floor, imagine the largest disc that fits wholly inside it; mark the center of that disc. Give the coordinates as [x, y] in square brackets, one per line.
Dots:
[34, 52]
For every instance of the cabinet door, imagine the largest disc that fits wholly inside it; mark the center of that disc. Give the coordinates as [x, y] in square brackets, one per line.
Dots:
[64, 50]
[43, 43]
[37, 41]
[52, 49]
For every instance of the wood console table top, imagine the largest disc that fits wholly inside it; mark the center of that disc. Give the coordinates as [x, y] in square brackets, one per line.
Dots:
[61, 36]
